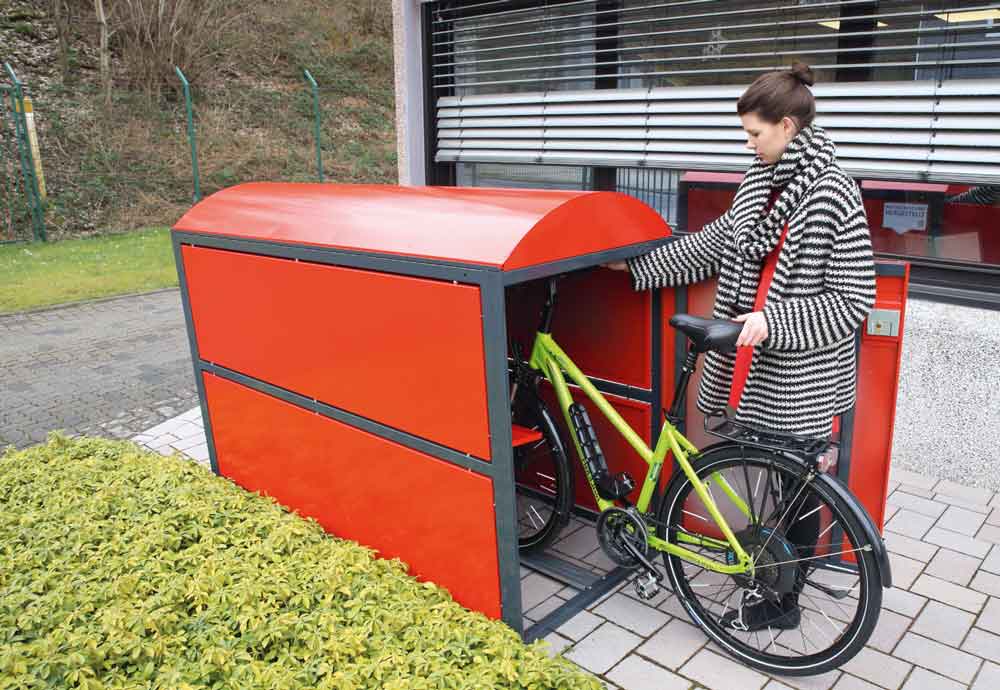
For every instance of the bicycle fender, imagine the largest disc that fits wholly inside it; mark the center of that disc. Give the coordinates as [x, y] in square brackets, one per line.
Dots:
[549, 421]
[836, 486]
[867, 525]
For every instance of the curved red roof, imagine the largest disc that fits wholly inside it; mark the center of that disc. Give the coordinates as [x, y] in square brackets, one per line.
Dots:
[505, 228]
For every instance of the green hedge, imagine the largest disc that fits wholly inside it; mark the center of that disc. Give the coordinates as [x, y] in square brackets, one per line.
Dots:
[123, 569]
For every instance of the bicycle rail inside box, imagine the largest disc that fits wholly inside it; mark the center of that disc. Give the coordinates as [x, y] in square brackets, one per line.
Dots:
[350, 350]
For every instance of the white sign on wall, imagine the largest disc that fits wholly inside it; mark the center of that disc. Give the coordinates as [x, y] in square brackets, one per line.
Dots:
[904, 217]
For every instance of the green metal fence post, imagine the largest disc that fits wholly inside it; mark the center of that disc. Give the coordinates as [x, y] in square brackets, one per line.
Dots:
[190, 129]
[319, 153]
[24, 150]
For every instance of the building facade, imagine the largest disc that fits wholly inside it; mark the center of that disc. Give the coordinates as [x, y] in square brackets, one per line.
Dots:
[638, 96]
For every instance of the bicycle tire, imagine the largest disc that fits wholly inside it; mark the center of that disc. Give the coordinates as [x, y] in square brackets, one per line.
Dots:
[543, 476]
[777, 651]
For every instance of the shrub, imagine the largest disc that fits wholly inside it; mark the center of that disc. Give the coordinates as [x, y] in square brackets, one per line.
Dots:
[122, 569]
[155, 35]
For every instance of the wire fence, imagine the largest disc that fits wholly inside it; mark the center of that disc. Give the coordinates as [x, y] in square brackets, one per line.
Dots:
[332, 140]
[21, 199]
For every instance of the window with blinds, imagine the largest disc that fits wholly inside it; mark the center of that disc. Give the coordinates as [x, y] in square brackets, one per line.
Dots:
[907, 90]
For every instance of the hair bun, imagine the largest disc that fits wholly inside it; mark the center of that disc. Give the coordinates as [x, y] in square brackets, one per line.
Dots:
[803, 73]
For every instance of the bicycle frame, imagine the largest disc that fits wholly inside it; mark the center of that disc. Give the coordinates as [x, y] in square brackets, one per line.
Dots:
[555, 365]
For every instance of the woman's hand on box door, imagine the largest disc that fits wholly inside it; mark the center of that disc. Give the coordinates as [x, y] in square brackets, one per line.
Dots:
[616, 265]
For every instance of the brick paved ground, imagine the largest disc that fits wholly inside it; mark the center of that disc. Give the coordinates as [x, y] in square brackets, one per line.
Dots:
[121, 368]
[109, 368]
[939, 628]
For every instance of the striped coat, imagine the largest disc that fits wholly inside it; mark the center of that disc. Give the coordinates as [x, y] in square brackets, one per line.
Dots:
[804, 373]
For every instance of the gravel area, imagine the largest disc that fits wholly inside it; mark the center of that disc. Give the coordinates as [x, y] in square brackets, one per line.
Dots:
[948, 407]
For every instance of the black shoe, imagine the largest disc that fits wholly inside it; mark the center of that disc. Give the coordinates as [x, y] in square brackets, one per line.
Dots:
[765, 614]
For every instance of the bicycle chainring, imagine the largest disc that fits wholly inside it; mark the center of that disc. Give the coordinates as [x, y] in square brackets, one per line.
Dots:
[615, 527]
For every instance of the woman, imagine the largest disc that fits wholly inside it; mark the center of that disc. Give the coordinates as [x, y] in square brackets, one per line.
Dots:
[797, 207]
[794, 259]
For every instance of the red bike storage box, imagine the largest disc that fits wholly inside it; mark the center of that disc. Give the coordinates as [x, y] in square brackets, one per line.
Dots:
[350, 349]
[350, 345]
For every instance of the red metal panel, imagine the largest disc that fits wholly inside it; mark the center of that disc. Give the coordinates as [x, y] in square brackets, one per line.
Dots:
[700, 299]
[705, 205]
[966, 233]
[973, 227]
[436, 517]
[713, 177]
[600, 321]
[670, 371]
[878, 381]
[522, 435]
[367, 342]
[898, 186]
[586, 224]
[512, 228]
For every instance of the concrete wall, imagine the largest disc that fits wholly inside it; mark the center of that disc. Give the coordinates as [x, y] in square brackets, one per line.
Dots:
[408, 54]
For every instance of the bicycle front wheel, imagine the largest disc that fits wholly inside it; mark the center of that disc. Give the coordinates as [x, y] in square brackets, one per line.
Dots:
[815, 594]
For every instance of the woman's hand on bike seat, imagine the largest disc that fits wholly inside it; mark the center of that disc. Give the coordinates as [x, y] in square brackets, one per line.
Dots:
[708, 334]
[754, 329]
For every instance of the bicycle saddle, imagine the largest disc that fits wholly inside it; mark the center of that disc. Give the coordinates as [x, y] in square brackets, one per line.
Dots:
[708, 334]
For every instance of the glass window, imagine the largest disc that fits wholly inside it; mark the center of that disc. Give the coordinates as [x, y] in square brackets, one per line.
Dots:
[523, 176]
[954, 222]
[703, 197]
[655, 187]
[913, 220]
[517, 46]
[498, 52]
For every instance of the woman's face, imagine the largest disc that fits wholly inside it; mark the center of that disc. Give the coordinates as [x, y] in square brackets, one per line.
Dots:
[768, 140]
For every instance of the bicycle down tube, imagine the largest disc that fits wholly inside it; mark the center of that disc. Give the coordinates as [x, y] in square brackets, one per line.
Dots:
[548, 358]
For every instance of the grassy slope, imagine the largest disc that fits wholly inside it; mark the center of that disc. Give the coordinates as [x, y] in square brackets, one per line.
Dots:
[39, 275]
[130, 167]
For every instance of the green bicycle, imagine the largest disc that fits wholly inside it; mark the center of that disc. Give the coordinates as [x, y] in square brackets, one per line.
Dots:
[775, 560]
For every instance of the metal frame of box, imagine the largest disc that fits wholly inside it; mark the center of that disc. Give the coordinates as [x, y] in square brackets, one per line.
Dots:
[491, 282]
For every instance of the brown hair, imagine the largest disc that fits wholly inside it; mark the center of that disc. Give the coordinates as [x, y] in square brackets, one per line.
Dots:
[779, 94]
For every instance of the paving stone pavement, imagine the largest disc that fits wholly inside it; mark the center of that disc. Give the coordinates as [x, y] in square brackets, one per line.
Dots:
[939, 628]
[106, 368]
[121, 368]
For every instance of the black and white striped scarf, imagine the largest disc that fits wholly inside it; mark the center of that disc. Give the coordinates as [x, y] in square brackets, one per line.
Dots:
[755, 234]
[805, 158]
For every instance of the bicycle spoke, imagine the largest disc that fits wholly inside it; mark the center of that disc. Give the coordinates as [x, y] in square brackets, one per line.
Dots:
[825, 594]
[812, 558]
[828, 528]
[836, 604]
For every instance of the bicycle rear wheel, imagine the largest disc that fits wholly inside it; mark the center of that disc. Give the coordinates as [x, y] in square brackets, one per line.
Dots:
[542, 475]
[816, 592]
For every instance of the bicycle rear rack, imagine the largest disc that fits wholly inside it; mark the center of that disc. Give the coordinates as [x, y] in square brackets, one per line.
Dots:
[743, 434]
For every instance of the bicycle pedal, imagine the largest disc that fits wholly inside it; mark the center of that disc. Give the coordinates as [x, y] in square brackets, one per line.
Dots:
[646, 587]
